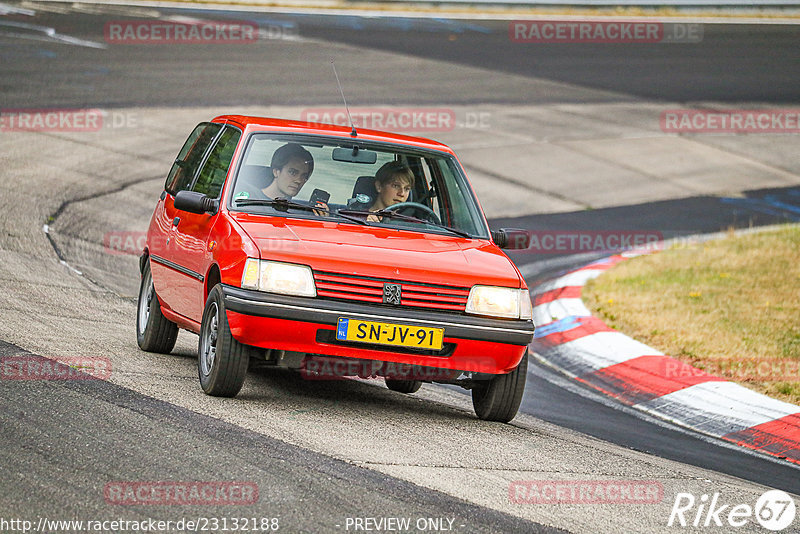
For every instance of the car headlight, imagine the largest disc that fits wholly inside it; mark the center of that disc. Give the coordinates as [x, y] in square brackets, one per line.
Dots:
[499, 302]
[278, 277]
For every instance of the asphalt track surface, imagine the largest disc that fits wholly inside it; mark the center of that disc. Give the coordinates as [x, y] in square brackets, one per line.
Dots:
[106, 425]
[732, 64]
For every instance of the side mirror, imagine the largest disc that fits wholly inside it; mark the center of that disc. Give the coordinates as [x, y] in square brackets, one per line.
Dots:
[195, 202]
[511, 238]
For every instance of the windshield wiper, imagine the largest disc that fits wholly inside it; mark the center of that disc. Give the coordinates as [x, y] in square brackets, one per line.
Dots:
[395, 215]
[456, 231]
[280, 203]
[349, 218]
[283, 204]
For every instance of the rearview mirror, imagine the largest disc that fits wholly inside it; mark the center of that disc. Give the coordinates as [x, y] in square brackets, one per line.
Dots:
[355, 155]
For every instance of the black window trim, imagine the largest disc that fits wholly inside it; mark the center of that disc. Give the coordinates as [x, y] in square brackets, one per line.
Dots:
[207, 154]
[205, 124]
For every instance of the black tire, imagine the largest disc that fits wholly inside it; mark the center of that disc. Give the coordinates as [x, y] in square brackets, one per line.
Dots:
[221, 360]
[500, 397]
[403, 386]
[154, 332]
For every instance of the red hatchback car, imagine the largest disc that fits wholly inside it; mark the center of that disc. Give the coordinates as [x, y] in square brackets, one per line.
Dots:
[333, 251]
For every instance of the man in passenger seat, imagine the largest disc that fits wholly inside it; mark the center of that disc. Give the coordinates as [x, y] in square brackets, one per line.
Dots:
[291, 166]
[290, 169]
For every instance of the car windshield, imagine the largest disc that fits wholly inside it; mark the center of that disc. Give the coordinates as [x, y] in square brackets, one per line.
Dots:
[356, 183]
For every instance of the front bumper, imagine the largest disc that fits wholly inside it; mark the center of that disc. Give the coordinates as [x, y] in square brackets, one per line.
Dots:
[308, 325]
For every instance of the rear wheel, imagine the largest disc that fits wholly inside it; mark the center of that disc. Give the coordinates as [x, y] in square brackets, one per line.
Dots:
[222, 361]
[499, 398]
[154, 332]
[403, 386]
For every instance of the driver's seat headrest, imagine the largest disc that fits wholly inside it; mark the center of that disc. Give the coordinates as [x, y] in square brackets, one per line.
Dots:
[364, 191]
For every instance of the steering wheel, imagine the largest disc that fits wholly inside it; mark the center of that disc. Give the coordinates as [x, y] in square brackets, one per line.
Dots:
[416, 206]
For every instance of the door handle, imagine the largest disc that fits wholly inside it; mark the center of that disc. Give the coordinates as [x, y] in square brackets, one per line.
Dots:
[175, 221]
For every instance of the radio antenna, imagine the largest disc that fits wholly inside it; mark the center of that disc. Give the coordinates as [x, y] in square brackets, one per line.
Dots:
[353, 132]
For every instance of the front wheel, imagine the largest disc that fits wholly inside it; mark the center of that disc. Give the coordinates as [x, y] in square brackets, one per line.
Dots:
[499, 398]
[154, 332]
[222, 361]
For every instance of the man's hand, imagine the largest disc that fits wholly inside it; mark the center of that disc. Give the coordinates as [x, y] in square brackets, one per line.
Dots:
[321, 209]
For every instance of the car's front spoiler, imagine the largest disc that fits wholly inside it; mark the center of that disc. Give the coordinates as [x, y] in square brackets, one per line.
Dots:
[327, 312]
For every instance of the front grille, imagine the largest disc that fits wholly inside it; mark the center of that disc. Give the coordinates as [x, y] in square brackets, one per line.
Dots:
[336, 286]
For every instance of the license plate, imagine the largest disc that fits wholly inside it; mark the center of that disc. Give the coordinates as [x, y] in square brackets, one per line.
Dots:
[421, 337]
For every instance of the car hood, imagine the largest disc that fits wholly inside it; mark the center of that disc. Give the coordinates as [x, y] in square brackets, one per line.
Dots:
[380, 252]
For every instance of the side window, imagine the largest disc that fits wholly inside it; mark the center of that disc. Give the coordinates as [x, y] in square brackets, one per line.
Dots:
[190, 156]
[425, 188]
[213, 174]
[458, 211]
[426, 194]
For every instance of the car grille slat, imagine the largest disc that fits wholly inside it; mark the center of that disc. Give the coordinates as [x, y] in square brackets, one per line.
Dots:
[433, 305]
[343, 296]
[339, 286]
[447, 299]
[334, 288]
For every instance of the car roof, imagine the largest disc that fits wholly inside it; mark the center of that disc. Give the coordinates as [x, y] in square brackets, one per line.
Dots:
[268, 124]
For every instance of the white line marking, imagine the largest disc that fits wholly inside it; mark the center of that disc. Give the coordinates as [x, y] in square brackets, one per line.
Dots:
[576, 278]
[6, 9]
[597, 351]
[46, 33]
[558, 309]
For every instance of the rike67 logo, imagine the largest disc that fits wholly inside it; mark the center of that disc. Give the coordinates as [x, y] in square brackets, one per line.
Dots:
[774, 510]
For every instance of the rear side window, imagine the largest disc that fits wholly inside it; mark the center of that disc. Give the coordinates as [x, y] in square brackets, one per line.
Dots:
[213, 174]
[189, 158]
